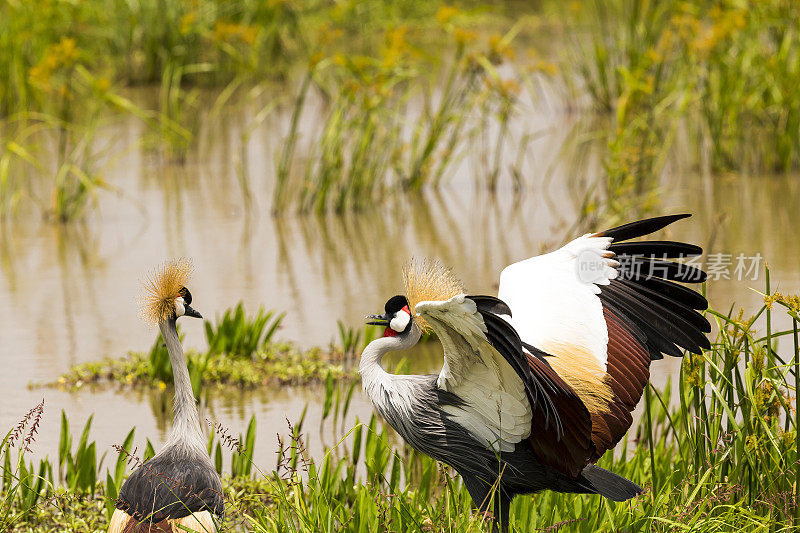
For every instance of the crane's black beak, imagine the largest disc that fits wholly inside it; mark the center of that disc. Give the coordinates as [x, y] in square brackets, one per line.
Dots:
[378, 320]
[188, 311]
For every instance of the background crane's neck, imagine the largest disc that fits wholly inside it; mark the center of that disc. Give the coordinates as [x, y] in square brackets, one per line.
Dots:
[379, 385]
[186, 424]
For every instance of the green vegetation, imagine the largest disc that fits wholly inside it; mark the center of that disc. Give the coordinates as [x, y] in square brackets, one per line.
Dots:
[721, 73]
[239, 335]
[404, 90]
[279, 363]
[717, 452]
[397, 120]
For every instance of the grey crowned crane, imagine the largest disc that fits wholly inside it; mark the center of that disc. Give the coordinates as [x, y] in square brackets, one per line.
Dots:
[540, 382]
[178, 489]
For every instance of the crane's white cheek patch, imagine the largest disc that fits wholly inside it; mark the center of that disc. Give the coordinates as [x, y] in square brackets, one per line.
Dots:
[400, 321]
[180, 310]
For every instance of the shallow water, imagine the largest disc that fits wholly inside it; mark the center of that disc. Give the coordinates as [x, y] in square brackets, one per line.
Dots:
[68, 293]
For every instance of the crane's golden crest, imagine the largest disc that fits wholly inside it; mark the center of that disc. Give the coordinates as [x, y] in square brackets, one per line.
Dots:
[429, 281]
[162, 287]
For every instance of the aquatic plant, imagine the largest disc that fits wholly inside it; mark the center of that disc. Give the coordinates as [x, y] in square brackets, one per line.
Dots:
[239, 335]
[79, 469]
[726, 68]
[394, 123]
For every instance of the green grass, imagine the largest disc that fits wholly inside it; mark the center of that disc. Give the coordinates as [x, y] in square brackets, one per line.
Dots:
[716, 451]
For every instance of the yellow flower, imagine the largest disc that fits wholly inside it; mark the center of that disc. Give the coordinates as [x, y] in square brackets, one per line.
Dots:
[230, 31]
[788, 439]
[60, 56]
[653, 56]
[102, 84]
[186, 22]
[315, 59]
[446, 13]
[547, 67]
[499, 49]
[396, 46]
[693, 371]
[464, 37]
[326, 35]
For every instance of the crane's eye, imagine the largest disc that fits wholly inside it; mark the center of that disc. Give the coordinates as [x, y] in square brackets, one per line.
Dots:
[400, 320]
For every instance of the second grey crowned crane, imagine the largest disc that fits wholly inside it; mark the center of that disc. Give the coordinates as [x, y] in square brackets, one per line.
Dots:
[178, 489]
[530, 401]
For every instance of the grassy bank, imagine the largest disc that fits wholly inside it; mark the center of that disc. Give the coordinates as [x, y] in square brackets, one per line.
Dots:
[717, 452]
[278, 364]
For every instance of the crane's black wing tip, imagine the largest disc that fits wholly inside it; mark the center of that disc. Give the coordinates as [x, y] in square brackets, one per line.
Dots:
[639, 228]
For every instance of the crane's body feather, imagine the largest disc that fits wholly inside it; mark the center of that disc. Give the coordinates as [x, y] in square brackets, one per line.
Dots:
[175, 483]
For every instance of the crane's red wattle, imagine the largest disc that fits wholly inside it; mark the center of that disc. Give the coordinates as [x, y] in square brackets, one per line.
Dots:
[389, 332]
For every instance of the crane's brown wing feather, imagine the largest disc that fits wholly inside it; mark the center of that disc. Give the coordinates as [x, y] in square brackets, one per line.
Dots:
[647, 314]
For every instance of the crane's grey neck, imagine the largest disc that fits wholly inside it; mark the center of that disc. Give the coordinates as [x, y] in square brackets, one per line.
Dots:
[381, 386]
[186, 424]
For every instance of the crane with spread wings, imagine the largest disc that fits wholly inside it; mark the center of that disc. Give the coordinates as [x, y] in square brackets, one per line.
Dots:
[538, 383]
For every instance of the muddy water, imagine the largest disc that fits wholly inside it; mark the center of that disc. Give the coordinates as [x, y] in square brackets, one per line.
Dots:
[68, 294]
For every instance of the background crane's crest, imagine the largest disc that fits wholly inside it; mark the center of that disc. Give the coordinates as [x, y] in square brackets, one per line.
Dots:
[425, 281]
[161, 287]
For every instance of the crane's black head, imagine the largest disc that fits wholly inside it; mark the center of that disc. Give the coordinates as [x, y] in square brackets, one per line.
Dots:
[182, 307]
[397, 318]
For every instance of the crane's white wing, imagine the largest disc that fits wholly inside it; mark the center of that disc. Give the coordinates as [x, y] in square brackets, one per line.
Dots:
[602, 323]
[496, 410]
[554, 299]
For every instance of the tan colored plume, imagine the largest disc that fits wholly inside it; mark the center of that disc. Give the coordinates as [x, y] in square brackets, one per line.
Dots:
[161, 288]
[428, 281]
